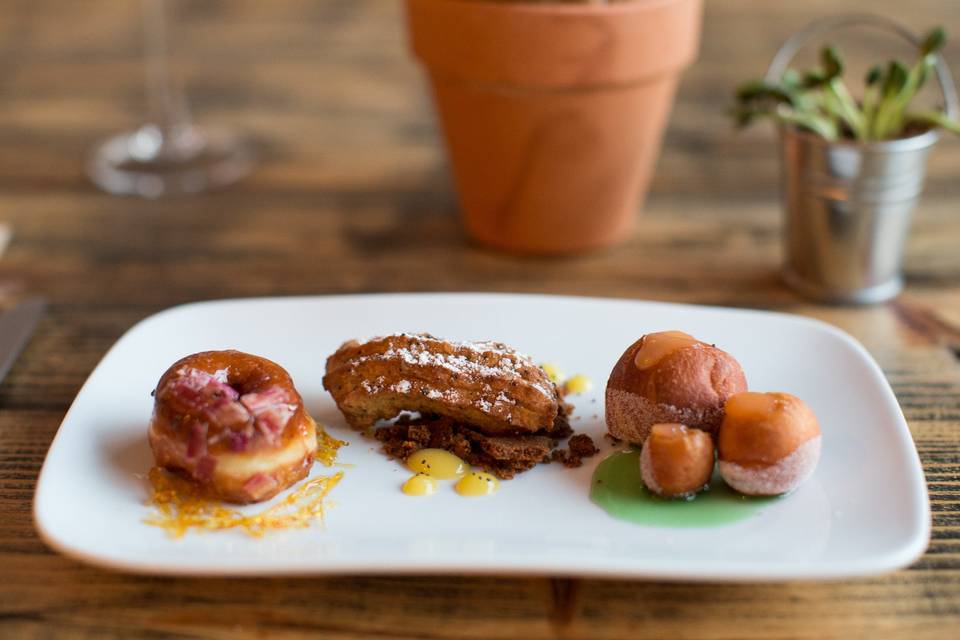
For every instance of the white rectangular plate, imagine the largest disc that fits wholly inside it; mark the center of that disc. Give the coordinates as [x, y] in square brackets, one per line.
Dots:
[864, 511]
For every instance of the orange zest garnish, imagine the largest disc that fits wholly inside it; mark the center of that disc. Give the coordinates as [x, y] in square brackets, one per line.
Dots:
[179, 508]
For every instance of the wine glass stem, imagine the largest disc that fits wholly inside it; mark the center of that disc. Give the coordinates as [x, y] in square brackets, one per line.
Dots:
[167, 103]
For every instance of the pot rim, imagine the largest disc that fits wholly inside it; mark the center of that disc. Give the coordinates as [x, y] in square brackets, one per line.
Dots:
[911, 143]
[565, 8]
[553, 45]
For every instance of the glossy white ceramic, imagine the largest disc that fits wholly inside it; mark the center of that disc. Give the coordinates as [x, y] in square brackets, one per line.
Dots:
[865, 510]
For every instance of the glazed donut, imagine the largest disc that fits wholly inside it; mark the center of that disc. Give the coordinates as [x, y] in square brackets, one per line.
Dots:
[670, 377]
[233, 424]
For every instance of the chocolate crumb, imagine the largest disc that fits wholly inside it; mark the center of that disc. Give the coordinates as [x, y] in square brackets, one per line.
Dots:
[579, 446]
[503, 456]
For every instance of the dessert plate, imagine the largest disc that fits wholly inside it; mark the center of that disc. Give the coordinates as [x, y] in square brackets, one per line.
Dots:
[864, 511]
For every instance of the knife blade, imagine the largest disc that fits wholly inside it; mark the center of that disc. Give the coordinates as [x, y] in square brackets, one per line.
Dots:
[16, 327]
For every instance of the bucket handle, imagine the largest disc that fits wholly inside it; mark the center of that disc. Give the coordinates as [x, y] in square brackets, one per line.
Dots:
[818, 28]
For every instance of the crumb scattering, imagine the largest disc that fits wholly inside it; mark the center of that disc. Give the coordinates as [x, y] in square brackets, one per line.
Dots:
[503, 456]
[579, 446]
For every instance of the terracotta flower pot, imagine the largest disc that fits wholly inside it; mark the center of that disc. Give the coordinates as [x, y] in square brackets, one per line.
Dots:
[553, 113]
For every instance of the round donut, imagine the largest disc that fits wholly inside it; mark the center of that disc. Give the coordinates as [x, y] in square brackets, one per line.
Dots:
[769, 443]
[232, 423]
[687, 382]
[676, 462]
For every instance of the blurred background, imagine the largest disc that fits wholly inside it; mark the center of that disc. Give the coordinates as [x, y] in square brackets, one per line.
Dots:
[341, 117]
[352, 193]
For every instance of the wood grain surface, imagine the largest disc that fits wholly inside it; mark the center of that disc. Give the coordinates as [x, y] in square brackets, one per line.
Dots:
[352, 194]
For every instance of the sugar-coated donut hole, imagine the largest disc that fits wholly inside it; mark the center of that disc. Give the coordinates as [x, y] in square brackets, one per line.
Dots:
[776, 479]
[676, 462]
[768, 444]
[682, 380]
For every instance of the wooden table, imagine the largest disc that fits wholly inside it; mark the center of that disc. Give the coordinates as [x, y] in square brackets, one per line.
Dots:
[352, 195]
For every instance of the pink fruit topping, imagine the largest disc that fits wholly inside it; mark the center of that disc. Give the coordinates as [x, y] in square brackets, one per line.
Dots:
[259, 485]
[271, 410]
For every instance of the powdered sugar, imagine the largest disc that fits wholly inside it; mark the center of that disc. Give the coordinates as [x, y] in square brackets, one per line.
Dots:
[483, 360]
[373, 387]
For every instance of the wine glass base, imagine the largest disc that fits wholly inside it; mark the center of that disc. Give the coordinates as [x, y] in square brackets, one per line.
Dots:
[213, 159]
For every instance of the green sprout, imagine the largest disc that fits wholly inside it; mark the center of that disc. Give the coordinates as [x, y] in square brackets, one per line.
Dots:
[819, 100]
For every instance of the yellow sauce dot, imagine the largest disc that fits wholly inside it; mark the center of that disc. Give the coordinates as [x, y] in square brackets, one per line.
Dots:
[438, 463]
[578, 384]
[553, 372]
[477, 483]
[420, 485]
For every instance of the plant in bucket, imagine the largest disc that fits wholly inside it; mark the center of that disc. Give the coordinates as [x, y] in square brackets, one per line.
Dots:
[552, 112]
[852, 170]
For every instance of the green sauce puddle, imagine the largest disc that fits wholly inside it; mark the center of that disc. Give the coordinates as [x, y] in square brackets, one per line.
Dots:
[617, 488]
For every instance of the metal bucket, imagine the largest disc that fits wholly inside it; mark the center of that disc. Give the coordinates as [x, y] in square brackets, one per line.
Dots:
[848, 204]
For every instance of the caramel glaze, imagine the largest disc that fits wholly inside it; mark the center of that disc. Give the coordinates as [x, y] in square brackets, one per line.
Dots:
[656, 346]
[682, 380]
[678, 371]
[232, 423]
